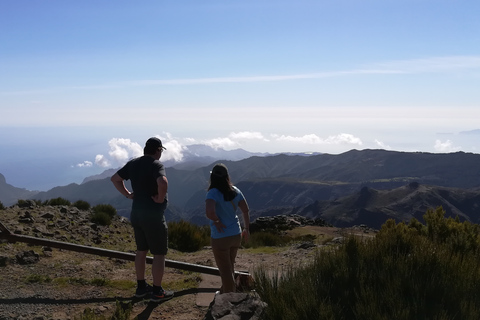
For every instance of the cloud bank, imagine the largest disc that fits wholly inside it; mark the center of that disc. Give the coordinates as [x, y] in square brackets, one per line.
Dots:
[121, 149]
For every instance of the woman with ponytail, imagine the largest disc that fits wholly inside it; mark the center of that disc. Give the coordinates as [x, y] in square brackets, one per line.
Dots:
[221, 205]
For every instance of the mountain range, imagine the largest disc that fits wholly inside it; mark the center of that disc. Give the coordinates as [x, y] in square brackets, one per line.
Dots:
[355, 187]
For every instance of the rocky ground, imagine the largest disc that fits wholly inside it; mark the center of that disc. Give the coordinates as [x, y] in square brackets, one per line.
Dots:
[41, 282]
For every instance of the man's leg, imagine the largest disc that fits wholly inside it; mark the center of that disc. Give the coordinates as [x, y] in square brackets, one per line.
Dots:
[142, 287]
[140, 261]
[158, 269]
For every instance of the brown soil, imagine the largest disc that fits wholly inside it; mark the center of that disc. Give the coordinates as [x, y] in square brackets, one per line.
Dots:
[63, 284]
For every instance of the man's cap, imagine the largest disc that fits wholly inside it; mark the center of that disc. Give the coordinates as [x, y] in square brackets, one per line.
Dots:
[154, 143]
[220, 170]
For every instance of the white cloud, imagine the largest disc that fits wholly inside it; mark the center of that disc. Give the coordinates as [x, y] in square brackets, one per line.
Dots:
[85, 164]
[343, 138]
[234, 139]
[382, 145]
[244, 135]
[446, 146]
[223, 143]
[306, 139]
[174, 150]
[101, 161]
[122, 150]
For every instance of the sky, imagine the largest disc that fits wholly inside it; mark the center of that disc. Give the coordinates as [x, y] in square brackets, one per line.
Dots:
[83, 84]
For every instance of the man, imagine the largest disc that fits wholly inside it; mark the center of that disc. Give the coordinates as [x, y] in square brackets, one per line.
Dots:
[149, 184]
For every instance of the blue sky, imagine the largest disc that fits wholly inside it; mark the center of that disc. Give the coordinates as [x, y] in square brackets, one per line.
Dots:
[84, 83]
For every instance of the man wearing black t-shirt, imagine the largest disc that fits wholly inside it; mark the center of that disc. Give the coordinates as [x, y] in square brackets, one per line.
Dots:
[149, 184]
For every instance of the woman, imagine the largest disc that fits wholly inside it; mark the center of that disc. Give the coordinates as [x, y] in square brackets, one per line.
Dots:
[221, 205]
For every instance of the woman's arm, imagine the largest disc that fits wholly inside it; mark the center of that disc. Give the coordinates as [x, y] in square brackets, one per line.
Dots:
[243, 205]
[212, 215]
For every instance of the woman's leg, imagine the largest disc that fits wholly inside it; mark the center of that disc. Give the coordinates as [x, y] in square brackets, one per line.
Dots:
[225, 251]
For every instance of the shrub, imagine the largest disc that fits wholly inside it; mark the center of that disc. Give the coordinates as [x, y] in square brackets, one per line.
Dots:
[101, 218]
[103, 214]
[2, 207]
[57, 202]
[187, 237]
[106, 208]
[82, 205]
[25, 203]
[408, 271]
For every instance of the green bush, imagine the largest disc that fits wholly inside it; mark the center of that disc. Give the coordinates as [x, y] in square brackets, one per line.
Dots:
[187, 237]
[21, 203]
[408, 271]
[2, 207]
[57, 202]
[81, 205]
[101, 218]
[103, 214]
[106, 208]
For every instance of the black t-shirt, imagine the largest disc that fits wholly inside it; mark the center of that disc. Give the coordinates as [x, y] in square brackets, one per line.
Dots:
[143, 173]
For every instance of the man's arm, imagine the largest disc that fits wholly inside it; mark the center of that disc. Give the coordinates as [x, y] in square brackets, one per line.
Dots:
[119, 184]
[162, 187]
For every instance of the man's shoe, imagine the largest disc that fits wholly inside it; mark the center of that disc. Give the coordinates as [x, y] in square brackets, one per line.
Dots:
[161, 296]
[143, 291]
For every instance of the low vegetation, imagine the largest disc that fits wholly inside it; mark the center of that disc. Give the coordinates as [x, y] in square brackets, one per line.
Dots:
[187, 237]
[408, 271]
[81, 205]
[57, 202]
[103, 214]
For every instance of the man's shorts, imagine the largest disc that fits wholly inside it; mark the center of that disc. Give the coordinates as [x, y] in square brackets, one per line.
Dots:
[151, 233]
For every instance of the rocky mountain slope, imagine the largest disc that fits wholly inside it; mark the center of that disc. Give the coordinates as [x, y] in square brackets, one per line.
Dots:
[314, 185]
[373, 207]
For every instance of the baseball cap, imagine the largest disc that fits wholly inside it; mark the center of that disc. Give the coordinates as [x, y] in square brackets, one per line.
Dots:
[154, 143]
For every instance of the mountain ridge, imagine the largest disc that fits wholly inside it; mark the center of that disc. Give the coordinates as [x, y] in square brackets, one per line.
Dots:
[282, 182]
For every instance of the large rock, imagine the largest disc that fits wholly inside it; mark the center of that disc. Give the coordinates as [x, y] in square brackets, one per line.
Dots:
[27, 257]
[235, 306]
[284, 222]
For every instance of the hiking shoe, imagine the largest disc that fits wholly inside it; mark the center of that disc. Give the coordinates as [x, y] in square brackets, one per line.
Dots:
[161, 296]
[143, 291]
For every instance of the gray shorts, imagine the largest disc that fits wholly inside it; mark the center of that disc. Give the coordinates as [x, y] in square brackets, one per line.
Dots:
[151, 233]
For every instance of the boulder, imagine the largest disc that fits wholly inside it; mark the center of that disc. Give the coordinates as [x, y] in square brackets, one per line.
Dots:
[233, 306]
[27, 257]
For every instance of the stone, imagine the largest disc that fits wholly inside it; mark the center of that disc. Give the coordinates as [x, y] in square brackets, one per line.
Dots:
[47, 216]
[27, 257]
[3, 261]
[233, 306]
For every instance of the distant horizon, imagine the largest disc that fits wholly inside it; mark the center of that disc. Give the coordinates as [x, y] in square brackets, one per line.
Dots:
[63, 169]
